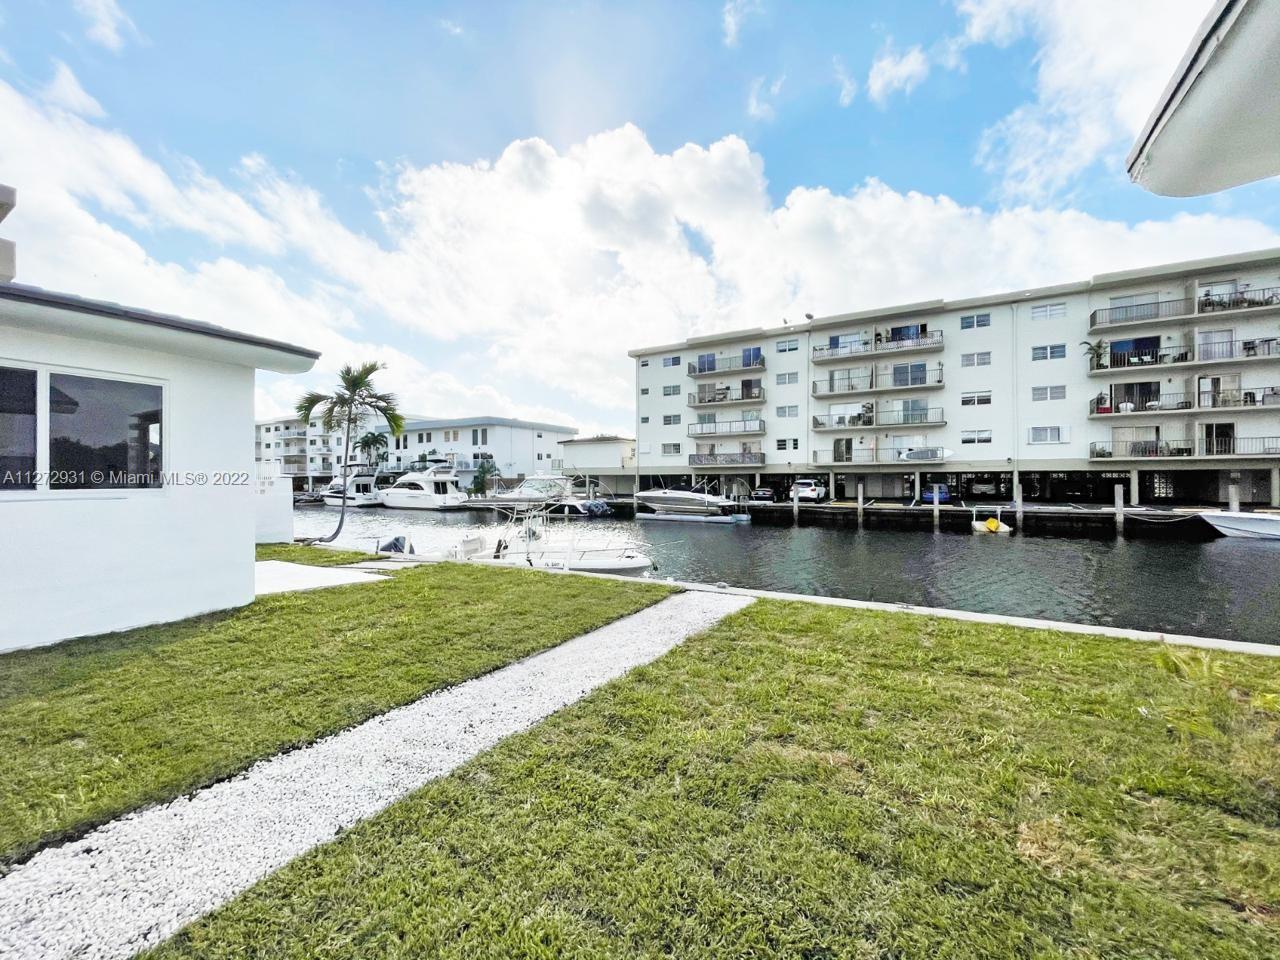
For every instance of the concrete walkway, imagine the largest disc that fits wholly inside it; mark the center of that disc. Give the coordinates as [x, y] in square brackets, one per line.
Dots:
[135, 881]
[280, 576]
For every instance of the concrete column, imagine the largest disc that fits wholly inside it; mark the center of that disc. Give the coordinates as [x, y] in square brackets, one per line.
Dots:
[1233, 498]
[860, 499]
[1017, 503]
[937, 509]
[831, 485]
[918, 491]
[795, 503]
[1119, 509]
[757, 483]
[1275, 486]
[1133, 487]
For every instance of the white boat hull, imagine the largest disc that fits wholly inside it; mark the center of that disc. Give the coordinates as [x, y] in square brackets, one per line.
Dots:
[399, 500]
[697, 517]
[353, 500]
[679, 501]
[1253, 526]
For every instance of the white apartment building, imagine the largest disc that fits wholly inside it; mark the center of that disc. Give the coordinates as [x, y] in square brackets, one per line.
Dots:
[518, 448]
[303, 451]
[1166, 379]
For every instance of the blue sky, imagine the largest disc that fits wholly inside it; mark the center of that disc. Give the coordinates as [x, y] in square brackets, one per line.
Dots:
[499, 200]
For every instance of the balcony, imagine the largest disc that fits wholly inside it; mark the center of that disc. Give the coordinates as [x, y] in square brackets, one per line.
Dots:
[743, 458]
[1254, 398]
[714, 365]
[904, 456]
[844, 421]
[925, 342]
[289, 434]
[1199, 449]
[723, 396]
[1185, 307]
[726, 428]
[926, 378]
[905, 418]
[1261, 348]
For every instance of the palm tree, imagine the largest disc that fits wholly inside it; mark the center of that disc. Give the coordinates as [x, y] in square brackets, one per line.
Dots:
[354, 402]
[371, 445]
[485, 470]
[1097, 352]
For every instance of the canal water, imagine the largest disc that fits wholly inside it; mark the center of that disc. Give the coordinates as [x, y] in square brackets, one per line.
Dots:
[1226, 588]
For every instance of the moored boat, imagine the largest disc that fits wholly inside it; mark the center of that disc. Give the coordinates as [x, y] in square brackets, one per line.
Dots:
[436, 488]
[685, 500]
[361, 491]
[1234, 523]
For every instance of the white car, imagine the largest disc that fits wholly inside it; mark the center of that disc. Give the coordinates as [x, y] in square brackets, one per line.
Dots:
[809, 491]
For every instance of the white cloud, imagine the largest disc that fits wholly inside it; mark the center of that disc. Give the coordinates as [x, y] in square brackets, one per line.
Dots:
[107, 23]
[64, 91]
[848, 86]
[1099, 68]
[733, 15]
[452, 28]
[759, 104]
[892, 72]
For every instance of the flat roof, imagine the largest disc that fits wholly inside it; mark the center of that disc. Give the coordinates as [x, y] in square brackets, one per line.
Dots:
[1099, 281]
[602, 438]
[39, 297]
[439, 422]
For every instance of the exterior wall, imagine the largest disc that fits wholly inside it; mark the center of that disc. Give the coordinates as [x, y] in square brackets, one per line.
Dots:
[300, 451]
[517, 450]
[606, 456]
[86, 562]
[1041, 414]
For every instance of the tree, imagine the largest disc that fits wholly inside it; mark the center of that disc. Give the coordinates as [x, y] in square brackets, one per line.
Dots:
[372, 446]
[354, 402]
[484, 471]
[1097, 352]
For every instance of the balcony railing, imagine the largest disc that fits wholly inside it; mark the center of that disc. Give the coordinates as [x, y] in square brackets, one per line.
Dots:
[903, 455]
[1186, 353]
[879, 380]
[834, 457]
[1203, 400]
[926, 341]
[1186, 306]
[726, 395]
[726, 427]
[740, 459]
[714, 365]
[843, 421]
[899, 418]
[1217, 447]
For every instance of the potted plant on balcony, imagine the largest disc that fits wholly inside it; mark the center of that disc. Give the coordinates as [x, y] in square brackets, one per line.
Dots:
[1097, 352]
[1102, 403]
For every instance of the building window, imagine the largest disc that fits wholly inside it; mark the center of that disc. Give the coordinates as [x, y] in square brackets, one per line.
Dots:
[644, 391]
[419, 438]
[979, 359]
[671, 419]
[781, 444]
[789, 411]
[104, 434]
[975, 320]
[539, 435]
[1058, 392]
[1048, 435]
[644, 419]
[671, 449]
[17, 429]
[1049, 311]
[671, 390]
[793, 444]
[671, 361]
[789, 346]
[428, 436]
[785, 378]
[977, 398]
[1052, 351]
[644, 363]
[975, 436]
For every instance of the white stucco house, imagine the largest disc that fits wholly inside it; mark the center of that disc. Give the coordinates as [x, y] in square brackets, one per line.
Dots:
[127, 475]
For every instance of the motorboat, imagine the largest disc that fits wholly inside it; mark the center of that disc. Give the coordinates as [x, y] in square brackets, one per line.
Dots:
[990, 525]
[534, 542]
[1234, 523]
[685, 500]
[579, 507]
[361, 491]
[400, 547]
[436, 488]
[536, 490]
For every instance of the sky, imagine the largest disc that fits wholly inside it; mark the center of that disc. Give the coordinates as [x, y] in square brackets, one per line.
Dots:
[499, 200]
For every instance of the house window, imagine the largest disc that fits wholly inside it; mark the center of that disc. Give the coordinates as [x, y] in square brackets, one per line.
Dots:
[17, 429]
[977, 398]
[789, 346]
[671, 361]
[1048, 435]
[975, 436]
[975, 320]
[789, 411]
[644, 419]
[644, 363]
[644, 391]
[1052, 351]
[540, 432]
[1058, 392]
[671, 390]
[979, 359]
[671, 449]
[671, 419]
[428, 436]
[1048, 311]
[104, 434]
[786, 378]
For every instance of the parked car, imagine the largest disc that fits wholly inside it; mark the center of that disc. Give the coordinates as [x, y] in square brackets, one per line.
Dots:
[983, 488]
[808, 491]
[763, 495]
[944, 493]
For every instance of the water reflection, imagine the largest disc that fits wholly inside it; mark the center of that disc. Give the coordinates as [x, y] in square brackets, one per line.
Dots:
[1223, 588]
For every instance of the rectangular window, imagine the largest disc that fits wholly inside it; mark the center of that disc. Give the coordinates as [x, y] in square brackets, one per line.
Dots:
[104, 434]
[975, 320]
[786, 378]
[1058, 392]
[475, 437]
[1048, 311]
[671, 449]
[17, 429]
[789, 346]
[671, 361]
[671, 390]
[977, 398]
[795, 443]
[979, 359]
[788, 411]
[644, 363]
[781, 444]
[428, 437]
[671, 419]
[484, 436]
[644, 391]
[975, 436]
[644, 419]
[1048, 434]
[1052, 351]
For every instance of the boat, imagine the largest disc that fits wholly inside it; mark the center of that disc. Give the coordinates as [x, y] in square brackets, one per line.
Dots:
[1235, 523]
[685, 500]
[534, 542]
[990, 525]
[435, 488]
[697, 517]
[361, 491]
[400, 547]
[536, 491]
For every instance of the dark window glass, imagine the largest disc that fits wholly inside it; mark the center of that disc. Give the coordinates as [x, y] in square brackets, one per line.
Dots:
[103, 434]
[17, 429]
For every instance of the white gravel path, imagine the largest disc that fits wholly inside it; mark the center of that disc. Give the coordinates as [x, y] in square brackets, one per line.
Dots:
[135, 881]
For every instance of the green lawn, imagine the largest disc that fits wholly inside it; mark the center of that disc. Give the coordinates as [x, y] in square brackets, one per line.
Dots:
[92, 728]
[811, 782]
[315, 556]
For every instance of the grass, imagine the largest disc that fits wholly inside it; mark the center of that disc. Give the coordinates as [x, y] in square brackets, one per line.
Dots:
[314, 556]
[92, 728]
[811, 782]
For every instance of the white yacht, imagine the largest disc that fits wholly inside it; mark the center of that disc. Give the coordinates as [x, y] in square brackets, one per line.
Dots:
[361, 491]
[1255, 526]
[676, 500]
[435, 488]
[536, 543]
